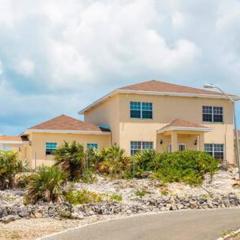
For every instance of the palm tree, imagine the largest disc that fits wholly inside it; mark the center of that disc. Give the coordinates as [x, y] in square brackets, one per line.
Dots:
[46, 184]
[71, 159]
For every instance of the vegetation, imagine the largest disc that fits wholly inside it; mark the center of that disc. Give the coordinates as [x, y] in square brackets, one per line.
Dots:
[22, 180]
[83, 196]
[46, 185]
[187, 166]
[115, 198]
[112, 161]
[71, 159]
[143, 163]
[141, 193]
[9, 167]
[73, 163]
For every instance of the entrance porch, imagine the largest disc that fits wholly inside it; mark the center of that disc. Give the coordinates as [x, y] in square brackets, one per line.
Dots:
[181, 135]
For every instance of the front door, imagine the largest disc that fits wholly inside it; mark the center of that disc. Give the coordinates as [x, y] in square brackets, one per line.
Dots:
[182, 147]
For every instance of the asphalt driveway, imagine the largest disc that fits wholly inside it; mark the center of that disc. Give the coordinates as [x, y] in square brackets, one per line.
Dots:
[179, 225]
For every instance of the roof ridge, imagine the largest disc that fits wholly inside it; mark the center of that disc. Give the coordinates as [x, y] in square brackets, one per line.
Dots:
[169, 84]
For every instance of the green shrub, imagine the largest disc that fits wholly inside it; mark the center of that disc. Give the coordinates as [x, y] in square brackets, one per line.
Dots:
[71, 159]
[115, 197]
[142, 163]
[114, 162]
[9, 167]
[83, 197]
[46, 185]
[141, 193]
[22, 180]
[187, 166]
[88, 176]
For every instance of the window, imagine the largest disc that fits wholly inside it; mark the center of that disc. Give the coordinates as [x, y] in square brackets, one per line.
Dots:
[181, 147]
[218, 114]
[92, 146]
[146, 110]
[212, 114]
[135, 109]
[50, 148]
[137, 146]
[215, 150]
[141, 110]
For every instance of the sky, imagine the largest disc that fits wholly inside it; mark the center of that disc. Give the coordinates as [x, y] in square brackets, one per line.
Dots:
[57, 56]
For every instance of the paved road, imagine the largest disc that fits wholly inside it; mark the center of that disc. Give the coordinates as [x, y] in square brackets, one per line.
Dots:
[181, 225]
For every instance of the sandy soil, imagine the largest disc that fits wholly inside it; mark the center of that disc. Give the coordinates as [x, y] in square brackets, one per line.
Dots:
[29, 229]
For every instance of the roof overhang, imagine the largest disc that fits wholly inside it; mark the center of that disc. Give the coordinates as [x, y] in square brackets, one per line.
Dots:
[11, 142]
[140, 92]
[191, 129]
[66, 132]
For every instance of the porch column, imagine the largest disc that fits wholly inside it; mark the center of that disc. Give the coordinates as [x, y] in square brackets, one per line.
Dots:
[174, 141]
[201, 142]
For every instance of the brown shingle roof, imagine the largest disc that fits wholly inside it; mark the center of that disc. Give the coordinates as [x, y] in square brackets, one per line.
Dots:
[64, 122]
[184, 124]
[159, 86]
[10, 138]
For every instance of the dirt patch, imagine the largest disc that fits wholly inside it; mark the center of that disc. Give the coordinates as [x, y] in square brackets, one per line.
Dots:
[29, 229]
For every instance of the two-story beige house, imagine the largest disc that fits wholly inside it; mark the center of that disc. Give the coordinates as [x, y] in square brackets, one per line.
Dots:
[148, 115]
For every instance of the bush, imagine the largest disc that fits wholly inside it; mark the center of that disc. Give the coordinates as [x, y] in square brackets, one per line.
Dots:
[83, 197]
[9, 167]
[22, 180]
[46, 185]
[143, 163]
[140, 193]
[114, 162]
[187, 166]
[115, 197]
[71, 159]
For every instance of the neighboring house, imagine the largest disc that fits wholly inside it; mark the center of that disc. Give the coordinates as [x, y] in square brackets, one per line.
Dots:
[10, 143]
[16, 144]
[148, 115]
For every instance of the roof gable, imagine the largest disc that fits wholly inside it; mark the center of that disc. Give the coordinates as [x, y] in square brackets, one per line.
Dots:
[64, 122]
[179, 124]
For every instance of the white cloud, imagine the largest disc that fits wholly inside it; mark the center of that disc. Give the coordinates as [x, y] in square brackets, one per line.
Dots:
[1, 68]
[53, 51]
[25, 67]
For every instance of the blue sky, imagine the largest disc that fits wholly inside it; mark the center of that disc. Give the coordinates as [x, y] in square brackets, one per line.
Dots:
[57, 56]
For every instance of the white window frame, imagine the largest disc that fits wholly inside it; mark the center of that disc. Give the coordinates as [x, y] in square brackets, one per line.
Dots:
[141, 110]
[213, 149]
[213, 114]
[141, 146]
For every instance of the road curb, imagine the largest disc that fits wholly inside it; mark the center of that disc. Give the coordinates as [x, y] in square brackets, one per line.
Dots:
[229, 235]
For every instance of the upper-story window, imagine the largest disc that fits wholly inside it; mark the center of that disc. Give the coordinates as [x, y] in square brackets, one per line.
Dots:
[141, 110]
[212, 114]
[51, 147]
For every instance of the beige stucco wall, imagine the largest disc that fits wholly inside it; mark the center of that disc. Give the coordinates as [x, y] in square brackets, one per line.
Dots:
[106, 113]
[115, 112]
[36, 149]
